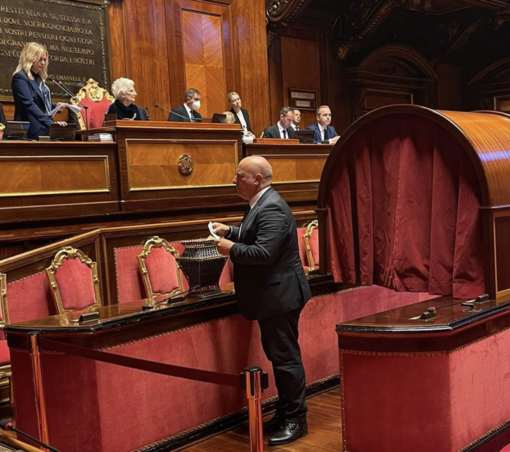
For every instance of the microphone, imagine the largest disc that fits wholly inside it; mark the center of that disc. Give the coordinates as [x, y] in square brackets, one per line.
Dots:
[147, 111]
[73, 97]
[177, 297]
[7, 425]
[159, 106]
[177, 114]
[64, 88]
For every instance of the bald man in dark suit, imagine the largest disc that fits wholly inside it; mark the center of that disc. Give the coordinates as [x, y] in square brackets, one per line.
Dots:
[271, 287]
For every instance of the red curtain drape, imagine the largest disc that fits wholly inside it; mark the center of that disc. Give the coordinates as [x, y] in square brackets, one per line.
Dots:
[403, 210]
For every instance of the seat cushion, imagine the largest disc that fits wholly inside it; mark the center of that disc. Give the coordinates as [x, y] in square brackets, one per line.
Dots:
[5, 357]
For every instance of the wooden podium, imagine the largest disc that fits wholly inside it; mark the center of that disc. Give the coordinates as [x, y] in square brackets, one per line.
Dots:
[161, 163]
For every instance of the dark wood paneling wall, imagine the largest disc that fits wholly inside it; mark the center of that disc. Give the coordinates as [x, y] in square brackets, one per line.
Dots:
[301, 69]
[302, 59]
[167, 46]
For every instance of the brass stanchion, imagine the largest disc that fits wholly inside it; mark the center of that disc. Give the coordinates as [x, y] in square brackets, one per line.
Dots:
[40, 404]
[255, 381]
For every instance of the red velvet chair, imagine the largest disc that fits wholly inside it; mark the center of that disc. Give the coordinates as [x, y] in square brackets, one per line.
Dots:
[74, 281]
[24, 299]
[160, 272]
[97, 100]
[5, 359]
[302, 247]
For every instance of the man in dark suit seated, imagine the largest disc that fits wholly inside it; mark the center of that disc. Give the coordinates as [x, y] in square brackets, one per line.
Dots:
[324, 133]
[187, 112]
[271, 287]
[297, 119]
[282, 129]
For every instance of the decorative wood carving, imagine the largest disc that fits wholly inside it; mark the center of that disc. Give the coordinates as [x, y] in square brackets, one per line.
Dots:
[365, 17]
[491, 85]
[284, 11]
[390, 75]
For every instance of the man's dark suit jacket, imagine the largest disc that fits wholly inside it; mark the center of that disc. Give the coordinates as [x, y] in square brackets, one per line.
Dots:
[246, 118]
[2, 116]
[181, 111]
[274, 132]
[330, 132]
[29, 105]
[268, 274]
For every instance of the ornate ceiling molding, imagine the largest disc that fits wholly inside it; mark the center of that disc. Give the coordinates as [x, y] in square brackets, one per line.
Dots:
[284, 11]
[461, 39]
[407, 56]
[366, 18]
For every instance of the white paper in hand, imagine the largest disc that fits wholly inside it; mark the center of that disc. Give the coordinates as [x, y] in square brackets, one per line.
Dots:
[217, 237]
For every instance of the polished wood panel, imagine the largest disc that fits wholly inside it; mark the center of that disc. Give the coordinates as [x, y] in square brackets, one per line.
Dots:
[44, 180]
[196, 139]
[297, 168]
[139, 51]
[251, 61]
[46, 174]
[203, 59]
[118, 47]
[489, 135]
[214, 163]
[502, 257]
[324, 426]
[203, 52]
[296, 55]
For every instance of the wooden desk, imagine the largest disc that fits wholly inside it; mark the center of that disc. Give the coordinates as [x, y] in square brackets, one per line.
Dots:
[437, 385]
[152, 166]
[297, 168]
[45, 180]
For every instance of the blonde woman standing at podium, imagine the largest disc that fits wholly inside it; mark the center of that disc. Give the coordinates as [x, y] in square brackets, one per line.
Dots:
[32, 98]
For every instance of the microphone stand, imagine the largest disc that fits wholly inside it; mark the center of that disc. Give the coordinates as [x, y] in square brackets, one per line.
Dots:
[177, 114]
[73, 97]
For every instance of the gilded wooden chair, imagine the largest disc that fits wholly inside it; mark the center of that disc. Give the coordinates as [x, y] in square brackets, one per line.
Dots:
[160, 271]
[97, 100]
[311, 238]
[74, 281]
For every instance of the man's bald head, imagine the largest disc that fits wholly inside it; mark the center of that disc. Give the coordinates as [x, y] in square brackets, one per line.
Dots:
[256, 164]
[253, 174]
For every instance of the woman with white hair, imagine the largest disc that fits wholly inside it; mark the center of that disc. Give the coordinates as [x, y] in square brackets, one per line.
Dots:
[124, 107]
[32, 98]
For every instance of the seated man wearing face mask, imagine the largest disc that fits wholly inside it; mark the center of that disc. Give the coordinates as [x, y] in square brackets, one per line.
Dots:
[187, 111]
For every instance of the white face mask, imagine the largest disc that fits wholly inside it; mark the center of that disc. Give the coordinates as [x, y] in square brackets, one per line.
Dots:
[196, 105]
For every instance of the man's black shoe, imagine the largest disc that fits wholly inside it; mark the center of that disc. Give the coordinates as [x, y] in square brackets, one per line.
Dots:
[288, 433]
[274, 424]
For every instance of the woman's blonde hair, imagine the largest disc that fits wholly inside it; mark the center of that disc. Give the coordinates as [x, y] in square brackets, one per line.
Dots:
[29, 55]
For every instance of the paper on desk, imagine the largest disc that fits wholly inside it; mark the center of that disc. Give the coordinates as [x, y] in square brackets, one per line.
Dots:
[210, 226]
